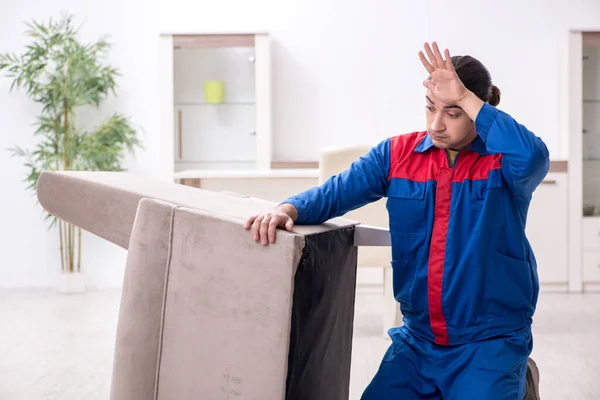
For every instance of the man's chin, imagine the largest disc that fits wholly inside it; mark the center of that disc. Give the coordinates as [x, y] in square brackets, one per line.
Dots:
[440, 144]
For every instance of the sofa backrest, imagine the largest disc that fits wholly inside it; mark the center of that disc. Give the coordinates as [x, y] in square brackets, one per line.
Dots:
[105, 203]
[205, 311]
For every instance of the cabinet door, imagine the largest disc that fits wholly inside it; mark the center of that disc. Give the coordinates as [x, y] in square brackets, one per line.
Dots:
[591, 266]
[217, 133]
[547, 229]
[591, 250]
[591, 233]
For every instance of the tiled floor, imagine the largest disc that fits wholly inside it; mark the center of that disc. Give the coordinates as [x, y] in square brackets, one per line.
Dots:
[60, 347]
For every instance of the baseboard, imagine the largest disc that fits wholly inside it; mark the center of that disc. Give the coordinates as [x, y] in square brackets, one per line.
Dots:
[554, 288]
[593, 287]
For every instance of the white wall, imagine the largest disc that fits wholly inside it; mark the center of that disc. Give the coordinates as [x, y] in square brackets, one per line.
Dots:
[343, 72]
[29, 252]
[347, 71]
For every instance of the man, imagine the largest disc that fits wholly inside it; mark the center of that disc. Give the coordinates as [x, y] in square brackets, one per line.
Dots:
[464, 273]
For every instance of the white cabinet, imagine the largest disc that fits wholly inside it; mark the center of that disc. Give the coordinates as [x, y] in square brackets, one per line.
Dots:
[547, 230]
[591, 250]
[591, 125]
[591, 233]
[221, 102]
[590, 221]
[591, 267]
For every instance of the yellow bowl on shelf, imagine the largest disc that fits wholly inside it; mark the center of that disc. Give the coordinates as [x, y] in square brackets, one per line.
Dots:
[214, 91]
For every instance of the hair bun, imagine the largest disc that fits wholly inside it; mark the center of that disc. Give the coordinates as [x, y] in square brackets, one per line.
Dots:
[494, 98]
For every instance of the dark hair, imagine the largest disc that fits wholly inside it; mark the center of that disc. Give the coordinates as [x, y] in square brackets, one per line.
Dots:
[475, 76]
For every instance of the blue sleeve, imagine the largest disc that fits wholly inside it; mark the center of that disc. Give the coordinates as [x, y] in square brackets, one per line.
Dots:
[365, 181]
[525, 157]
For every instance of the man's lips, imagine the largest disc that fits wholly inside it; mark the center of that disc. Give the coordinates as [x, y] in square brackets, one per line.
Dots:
[436, 136]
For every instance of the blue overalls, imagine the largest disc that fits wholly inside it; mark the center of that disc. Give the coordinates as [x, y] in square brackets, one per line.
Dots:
[463, 270]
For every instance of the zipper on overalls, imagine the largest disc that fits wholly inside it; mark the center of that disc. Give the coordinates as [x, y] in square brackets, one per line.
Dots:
[437, 251]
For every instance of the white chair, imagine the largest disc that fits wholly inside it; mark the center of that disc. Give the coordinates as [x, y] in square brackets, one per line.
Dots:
[333, 161]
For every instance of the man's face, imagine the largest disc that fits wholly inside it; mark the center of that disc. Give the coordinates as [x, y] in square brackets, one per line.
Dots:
[448, 125]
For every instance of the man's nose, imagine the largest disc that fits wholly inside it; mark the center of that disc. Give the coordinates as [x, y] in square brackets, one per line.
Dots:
[438, 124]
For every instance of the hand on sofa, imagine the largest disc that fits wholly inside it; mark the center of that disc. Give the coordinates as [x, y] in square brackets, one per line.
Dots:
[264, 226]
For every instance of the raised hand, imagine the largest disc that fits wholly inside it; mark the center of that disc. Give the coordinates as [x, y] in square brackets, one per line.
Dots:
[445, 83]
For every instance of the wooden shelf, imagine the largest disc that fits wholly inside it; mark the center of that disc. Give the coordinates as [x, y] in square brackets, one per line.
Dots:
[212, 161]
[199, 103]
[294, 165]
[213, 41]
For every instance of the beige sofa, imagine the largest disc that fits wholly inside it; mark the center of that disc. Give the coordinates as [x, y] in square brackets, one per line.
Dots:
[206, 312]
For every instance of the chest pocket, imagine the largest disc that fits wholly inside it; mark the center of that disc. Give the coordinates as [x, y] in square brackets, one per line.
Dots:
[488, 205]
[406, 206]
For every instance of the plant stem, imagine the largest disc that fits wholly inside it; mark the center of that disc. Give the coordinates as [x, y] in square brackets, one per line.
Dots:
[56, 140]
[66, 247]
[71, 239]
[79, 251]
[66, 165]
[62, 251]
[72, 248]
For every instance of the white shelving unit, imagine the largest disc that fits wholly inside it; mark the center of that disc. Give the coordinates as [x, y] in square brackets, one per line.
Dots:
[591, 161]
[565, 239]
[591, 125]
[229, 135]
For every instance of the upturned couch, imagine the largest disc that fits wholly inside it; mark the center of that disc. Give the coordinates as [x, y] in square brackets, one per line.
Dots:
[206, 312]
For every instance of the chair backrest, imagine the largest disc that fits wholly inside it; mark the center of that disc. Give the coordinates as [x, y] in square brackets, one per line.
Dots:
[334, 160]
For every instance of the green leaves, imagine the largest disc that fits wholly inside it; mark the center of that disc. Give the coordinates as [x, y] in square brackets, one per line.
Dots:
[103, 148]
[62, 73]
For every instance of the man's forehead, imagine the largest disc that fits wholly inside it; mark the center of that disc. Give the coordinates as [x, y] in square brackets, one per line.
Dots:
[434, 100]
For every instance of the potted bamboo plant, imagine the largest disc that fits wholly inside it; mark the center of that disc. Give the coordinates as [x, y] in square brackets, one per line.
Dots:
[64, 75]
